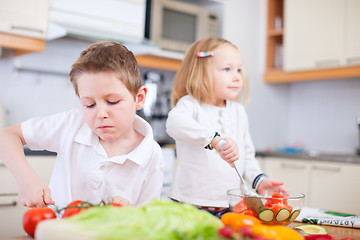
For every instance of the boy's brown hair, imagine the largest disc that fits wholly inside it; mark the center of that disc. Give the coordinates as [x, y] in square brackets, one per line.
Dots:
[193, 77]
[108, 56]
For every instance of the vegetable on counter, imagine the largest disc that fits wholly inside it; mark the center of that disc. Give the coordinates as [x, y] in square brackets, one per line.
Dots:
[248, 227]
[276, 211]
[312, 229]
[158, 220]
[33, 216]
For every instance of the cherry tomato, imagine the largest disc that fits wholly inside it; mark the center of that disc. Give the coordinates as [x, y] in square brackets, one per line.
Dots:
[33, 216]
[75, 207]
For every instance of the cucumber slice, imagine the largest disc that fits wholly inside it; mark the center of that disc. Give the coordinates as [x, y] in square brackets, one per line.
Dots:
[294, 215]
[282, 215]
[312, 229]
[266, 215]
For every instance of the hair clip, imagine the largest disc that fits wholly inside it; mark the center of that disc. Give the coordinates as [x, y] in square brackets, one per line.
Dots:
[205, 54]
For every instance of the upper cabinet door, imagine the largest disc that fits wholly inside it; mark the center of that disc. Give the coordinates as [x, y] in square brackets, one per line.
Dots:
[24, 17]
[352, 35]
[313, 34]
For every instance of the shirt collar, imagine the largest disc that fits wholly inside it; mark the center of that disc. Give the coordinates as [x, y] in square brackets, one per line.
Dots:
[140, 155]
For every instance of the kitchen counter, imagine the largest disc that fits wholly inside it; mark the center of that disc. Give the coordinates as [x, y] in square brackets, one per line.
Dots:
[336, 232]
[349, 158]
[29, 152]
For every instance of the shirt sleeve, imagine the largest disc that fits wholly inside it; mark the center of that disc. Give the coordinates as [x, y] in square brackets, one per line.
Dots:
[182, 126]
[46, 133]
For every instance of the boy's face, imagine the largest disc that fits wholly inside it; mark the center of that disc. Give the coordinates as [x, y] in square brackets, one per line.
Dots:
[108, 106]
[226, 67]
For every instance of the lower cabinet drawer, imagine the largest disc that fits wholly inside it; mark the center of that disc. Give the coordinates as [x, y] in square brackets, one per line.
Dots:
[11, 213]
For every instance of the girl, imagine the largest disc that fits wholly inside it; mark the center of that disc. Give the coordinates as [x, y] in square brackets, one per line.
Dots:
[206, 94]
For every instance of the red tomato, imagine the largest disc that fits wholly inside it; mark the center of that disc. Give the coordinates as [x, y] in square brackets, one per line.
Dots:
[240, 207]
[75, 207]
[116, 205]
[33, 216]
[270, 202]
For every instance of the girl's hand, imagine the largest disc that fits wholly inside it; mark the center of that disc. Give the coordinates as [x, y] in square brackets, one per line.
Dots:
[121, 200]
[269, 185]
[34, 193]
[229, 152]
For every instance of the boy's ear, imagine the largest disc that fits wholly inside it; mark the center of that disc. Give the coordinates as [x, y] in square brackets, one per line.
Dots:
[140, 97]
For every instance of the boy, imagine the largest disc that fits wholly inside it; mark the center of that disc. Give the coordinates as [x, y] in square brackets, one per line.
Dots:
[104, 151]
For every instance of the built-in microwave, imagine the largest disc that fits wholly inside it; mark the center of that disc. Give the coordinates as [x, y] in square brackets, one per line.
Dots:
[174, 25]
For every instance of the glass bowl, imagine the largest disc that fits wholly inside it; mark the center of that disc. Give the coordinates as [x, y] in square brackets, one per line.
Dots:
[274, 210]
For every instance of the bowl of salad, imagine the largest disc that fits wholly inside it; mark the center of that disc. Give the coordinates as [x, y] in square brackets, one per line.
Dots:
[272, 209]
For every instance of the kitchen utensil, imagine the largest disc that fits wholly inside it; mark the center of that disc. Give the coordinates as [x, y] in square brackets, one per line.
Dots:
[251, 199]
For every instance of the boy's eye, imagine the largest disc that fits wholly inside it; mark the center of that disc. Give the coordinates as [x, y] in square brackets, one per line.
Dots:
[113, 102]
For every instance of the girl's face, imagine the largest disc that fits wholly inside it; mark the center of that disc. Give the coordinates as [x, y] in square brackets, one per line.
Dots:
[108, 106]
[226, 67]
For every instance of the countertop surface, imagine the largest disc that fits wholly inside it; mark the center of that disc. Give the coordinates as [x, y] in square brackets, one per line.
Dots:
[336, 232]
[318, 156]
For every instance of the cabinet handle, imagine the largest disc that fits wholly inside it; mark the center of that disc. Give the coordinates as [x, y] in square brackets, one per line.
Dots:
[327, 168]
[14, 27]
[11, 204]
[327, 63]
[353, 60]
[293, 166]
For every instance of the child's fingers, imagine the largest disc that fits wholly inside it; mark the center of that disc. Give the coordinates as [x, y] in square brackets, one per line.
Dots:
[47, 197]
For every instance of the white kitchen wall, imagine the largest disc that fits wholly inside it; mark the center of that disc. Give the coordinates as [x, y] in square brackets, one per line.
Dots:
[268, 110]
[319, 114]
[323, 115]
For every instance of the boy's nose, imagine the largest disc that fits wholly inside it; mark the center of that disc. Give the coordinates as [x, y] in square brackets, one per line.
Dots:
[102, 112]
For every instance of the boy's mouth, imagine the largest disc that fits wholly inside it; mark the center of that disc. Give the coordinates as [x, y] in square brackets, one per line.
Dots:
[104, 127]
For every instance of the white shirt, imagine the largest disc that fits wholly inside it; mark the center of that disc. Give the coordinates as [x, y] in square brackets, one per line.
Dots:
[202, 177]
[83, 171]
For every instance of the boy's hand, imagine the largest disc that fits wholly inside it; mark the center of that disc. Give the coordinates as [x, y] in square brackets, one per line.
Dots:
[121, 200]
[34, 193]
[272, 186]
[229, 152]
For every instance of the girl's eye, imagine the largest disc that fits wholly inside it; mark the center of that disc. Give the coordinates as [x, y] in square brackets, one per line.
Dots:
[239, 70]
[113, 102]
[226, 69]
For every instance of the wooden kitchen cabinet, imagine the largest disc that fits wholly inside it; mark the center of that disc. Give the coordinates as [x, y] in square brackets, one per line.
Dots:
[303, 30]
[156, 62]
[23, 25]
[327, 185]
[11, 212]
[313, 41]
[352, 32]
[294, 174]
[334, 186]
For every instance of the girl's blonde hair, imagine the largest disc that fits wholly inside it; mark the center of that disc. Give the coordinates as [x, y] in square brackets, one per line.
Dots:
[194, 78]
